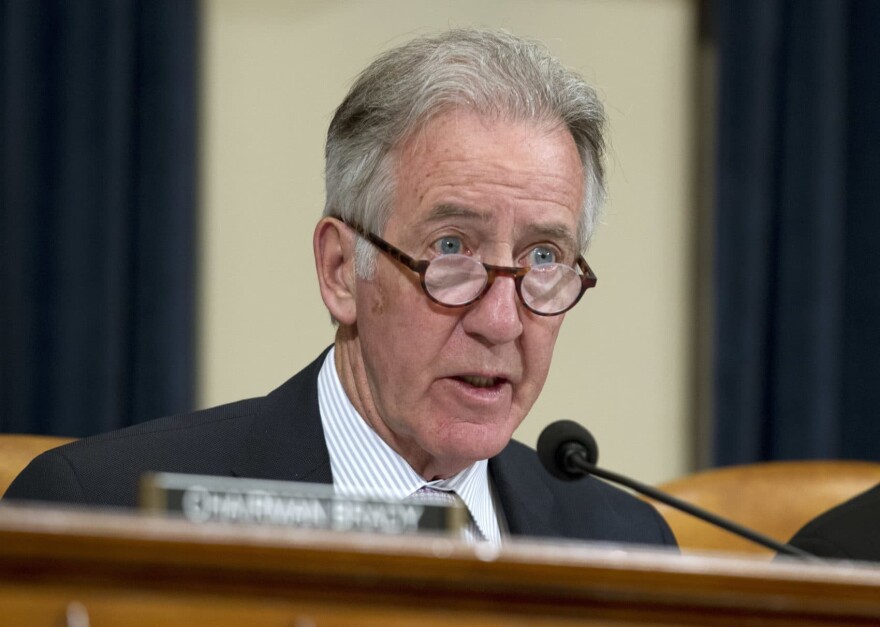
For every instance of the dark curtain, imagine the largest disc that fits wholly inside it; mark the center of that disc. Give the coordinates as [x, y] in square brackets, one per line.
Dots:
[797, 309]
[98, 191]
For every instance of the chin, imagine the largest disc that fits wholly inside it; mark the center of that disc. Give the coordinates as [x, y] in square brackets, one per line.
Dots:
[476, 442]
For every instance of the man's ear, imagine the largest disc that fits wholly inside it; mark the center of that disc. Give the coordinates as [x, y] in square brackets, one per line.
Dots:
[333, 243]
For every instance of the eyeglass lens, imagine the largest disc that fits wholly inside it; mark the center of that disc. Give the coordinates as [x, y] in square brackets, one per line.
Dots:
[459, 279]
[549, 288]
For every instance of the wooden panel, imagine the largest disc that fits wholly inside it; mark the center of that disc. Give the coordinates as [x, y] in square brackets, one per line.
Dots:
[134, 570]
[774, 498]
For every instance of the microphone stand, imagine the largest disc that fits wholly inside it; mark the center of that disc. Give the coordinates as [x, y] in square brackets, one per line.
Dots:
[576, 459]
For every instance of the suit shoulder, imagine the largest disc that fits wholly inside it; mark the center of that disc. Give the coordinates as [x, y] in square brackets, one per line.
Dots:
[195, 421]
[197, 442]
[106, 469]
[193, 434]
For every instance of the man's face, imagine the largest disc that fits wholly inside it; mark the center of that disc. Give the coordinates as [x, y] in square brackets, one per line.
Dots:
[446, 387]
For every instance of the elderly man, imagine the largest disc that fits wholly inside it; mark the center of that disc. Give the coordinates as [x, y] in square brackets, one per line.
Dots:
[464, 179]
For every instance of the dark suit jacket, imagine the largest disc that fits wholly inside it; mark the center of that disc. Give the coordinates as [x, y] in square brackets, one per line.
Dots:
[280, 437]
[849, 531]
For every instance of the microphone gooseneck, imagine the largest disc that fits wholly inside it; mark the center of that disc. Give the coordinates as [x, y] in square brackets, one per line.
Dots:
[569, 452]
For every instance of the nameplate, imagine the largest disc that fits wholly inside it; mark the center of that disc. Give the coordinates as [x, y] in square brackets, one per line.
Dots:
[210, 499]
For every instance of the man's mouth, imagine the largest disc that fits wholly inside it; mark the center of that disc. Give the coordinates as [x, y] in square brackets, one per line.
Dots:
[480, 382]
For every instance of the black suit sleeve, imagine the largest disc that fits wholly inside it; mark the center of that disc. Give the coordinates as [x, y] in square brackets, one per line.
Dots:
[49, 477]
[848, 531]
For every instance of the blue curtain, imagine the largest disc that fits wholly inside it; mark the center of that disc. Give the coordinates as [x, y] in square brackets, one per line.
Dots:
[97, 233]
[797, 297]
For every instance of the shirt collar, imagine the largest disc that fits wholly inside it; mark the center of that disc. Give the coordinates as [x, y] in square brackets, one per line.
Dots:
[363, 464]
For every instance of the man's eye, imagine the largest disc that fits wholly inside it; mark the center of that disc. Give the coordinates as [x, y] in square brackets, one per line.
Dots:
[449, 245]
[541, 255]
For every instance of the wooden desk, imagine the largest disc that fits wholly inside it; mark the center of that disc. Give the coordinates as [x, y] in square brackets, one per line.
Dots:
[122, 569]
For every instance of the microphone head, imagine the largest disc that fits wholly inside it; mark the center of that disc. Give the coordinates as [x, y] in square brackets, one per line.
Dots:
[559, 439]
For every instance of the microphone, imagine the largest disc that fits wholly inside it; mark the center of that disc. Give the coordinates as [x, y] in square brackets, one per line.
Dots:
[569, 452]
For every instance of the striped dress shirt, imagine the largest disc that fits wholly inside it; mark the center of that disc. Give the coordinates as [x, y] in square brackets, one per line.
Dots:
[363, 465]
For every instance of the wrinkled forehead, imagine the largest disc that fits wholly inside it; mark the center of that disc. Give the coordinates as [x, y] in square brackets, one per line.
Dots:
[425, 138]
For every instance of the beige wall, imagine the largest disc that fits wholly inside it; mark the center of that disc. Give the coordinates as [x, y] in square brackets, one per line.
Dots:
[273, 73]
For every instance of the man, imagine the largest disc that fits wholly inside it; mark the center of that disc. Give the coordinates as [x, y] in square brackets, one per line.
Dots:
[847, 531]
[464, 179]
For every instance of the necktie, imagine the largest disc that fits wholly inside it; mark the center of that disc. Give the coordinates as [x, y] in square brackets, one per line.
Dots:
[432, 496]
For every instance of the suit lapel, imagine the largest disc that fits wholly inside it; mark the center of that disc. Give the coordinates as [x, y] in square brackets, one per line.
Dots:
[286, 440]
[524, 497]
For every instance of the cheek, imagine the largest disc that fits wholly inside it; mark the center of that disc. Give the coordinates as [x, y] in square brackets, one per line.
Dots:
[396, 331]
[541, 338]
[389, 295]
[374, 304]
[377, 304]
[555, 333]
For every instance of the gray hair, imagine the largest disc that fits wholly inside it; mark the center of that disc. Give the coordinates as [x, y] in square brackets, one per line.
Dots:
[490, 72]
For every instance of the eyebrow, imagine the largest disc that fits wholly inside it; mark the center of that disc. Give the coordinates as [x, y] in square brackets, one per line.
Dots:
[558, 233]
[446, 211]
[553, 231]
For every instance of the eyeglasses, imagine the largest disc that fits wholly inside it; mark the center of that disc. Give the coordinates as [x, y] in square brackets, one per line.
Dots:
[547, 289]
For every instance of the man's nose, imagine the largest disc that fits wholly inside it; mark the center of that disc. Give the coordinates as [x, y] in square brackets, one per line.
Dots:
[496, 316]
